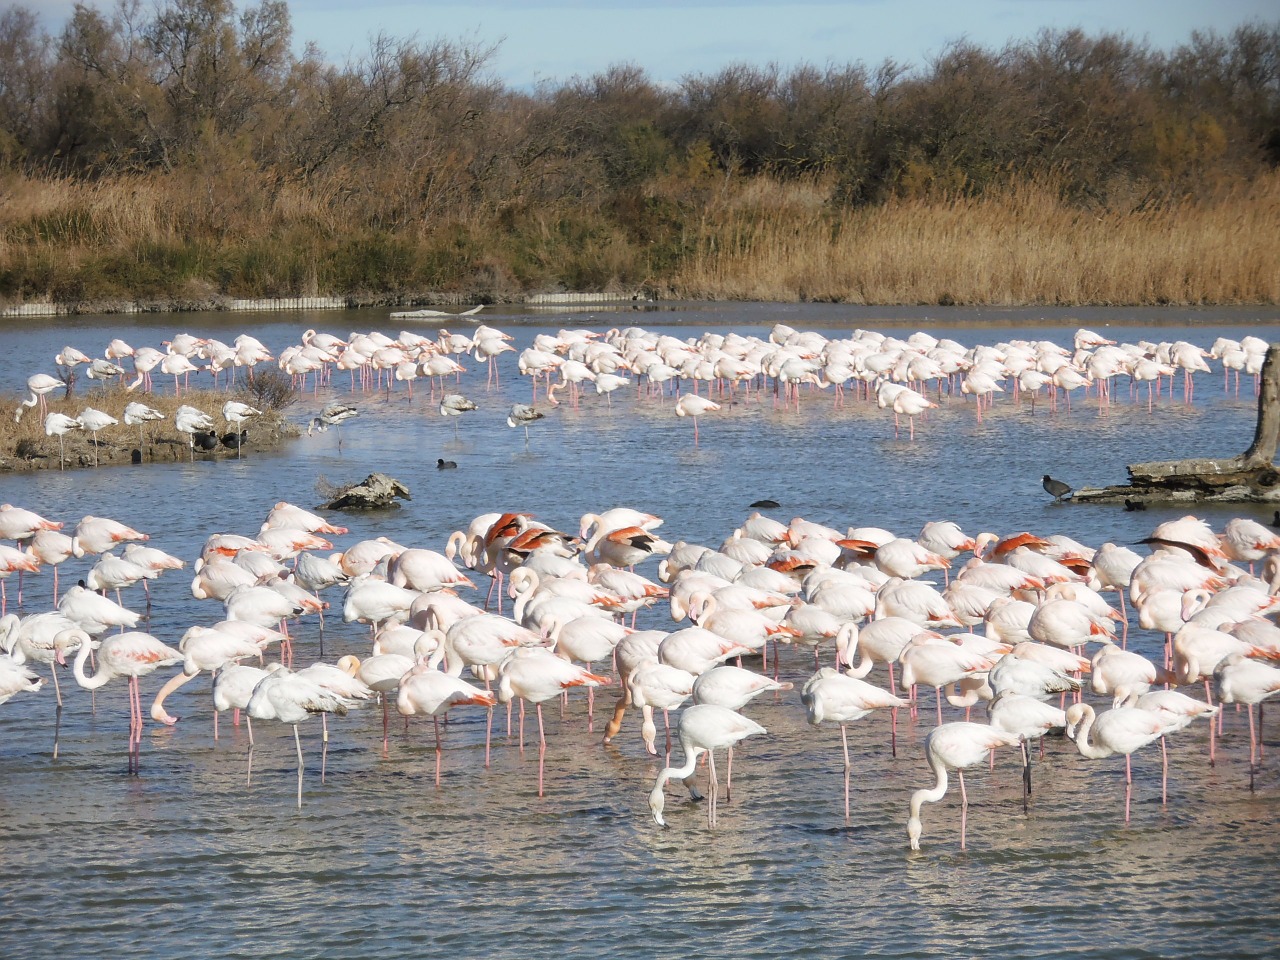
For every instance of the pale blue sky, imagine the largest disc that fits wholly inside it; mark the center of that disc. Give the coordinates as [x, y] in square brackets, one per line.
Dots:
[671, 38]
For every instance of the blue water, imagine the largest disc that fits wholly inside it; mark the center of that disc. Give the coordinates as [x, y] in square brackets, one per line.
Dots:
[185, 860]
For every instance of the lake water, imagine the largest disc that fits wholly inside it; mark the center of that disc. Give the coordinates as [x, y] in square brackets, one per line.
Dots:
[186, 861]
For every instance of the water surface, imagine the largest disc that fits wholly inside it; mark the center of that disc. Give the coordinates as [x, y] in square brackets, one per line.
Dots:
[186, 860]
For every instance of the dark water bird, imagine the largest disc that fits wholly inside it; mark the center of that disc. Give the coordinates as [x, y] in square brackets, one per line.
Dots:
[234, 441]
[767, 504]
[1275, 519]
[446, 465]
[205, 440]
[1055, 488]
[1132, 505]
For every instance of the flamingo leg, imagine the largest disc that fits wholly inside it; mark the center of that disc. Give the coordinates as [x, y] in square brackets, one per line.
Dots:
[1253, 746]
[713, 790]
[964, 809]
[542, 748]
[1128, 784]
[488, 736]
[436, 720]
[298, 743]
[844, 742]
[1026, 775]
[1164, 773]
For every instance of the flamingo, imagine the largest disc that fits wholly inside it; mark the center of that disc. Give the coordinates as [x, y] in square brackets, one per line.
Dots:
[653, 685]
[39, 384]
[692, 405]
[233, 686]
[16, 678]
[130, 655]
[455, 405]
[100, 534]
[954, 746]
[58, 425]
[333, 415]
[236, 413]
[139, 414]
[1030, 719]
[203, 648]
[703, 728]
[43, 638]
[522, 415]
[535, 675]
[190, 420]
[1241, 680]
[425, 690]
[1118, 730]
[832, 695]
[290, 698]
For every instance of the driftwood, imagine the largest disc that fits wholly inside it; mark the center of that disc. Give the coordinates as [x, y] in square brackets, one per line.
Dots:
[375, 492]
[1251, 477]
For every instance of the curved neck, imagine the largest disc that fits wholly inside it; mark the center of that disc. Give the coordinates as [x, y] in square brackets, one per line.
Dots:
[690, 761]
[1088, 750]
[98, 679]
[931, 794]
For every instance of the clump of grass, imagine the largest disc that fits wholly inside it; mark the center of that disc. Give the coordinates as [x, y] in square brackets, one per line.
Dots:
[270, 389]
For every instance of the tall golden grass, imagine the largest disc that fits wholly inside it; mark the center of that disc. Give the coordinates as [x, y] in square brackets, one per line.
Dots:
[1018, 246]
[162, 235]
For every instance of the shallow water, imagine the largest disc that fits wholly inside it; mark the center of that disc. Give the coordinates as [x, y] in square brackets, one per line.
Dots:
[185, 860]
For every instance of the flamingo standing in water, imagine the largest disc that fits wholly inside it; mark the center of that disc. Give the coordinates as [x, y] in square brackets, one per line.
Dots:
[130, 655]
[954, 746]
[455, 405]
[1241, 680]
[535, 674]
[703, 728]
[290, 698]
[692, 405]
[1118, 730]
[426, 690]
[832, 695]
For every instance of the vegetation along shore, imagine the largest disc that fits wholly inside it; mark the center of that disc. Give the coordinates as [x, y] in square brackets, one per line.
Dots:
[188, 154]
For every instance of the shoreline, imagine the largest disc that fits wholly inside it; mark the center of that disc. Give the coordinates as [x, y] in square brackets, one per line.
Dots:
[347, 302]
[566, 302]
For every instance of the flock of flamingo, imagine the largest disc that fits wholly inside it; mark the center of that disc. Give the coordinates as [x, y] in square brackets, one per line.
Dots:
[905, 376]
[861, 601]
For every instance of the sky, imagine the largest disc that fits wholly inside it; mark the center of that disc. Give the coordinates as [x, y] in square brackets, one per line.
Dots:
[670, 39]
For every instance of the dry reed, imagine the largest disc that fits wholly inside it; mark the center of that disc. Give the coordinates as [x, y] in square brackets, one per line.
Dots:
[755, 239]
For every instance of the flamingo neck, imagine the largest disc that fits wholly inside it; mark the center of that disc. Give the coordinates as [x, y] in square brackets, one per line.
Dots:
[657, 799]
[1089, 750]
[98, 679]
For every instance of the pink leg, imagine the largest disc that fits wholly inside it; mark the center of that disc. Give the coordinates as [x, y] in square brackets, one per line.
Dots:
[542, 749]
[964, 810]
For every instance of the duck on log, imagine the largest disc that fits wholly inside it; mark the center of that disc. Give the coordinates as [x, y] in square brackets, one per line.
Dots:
[1251, 477]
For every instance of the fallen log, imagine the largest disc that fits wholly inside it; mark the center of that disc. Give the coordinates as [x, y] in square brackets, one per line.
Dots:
[1251, 477]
